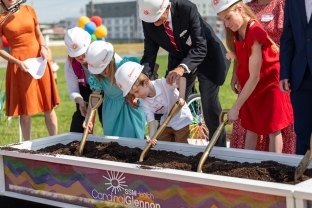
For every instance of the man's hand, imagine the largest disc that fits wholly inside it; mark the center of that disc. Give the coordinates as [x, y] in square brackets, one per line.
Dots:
[284, 85]
[174, 74]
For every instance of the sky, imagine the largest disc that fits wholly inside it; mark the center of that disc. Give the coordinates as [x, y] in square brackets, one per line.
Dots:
[52, 11]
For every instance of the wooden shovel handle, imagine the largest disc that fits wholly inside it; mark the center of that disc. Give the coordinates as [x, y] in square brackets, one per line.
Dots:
[213, 140]
[95, 100]
[174, 110]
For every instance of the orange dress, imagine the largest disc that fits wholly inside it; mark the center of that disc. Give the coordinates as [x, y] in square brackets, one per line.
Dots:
[24, 94]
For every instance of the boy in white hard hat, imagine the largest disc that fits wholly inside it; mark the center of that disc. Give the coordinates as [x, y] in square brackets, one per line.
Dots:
[119, 118]
[77, 42]
[194, 50]
[157, 97]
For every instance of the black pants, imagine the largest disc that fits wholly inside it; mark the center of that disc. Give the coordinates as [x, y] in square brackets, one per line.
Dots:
[77, 118]
[209, 93]
[302, 105]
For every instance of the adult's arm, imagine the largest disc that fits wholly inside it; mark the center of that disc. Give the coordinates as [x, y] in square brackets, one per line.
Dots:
[198, 50]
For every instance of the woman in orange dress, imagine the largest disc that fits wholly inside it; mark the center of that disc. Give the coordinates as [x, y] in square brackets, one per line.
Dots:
[26, 96]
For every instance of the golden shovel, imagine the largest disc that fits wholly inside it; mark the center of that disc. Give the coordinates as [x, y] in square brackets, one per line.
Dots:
[174, 110]
[304, 163]
[95, 100]
[213, 140]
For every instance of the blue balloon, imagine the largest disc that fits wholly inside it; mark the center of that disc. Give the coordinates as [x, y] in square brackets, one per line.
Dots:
[90, 27]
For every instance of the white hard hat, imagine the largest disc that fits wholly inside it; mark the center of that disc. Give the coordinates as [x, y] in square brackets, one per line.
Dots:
[77, 41]
[126, 75]
[99, 55]
[151, 10]
[221, 5]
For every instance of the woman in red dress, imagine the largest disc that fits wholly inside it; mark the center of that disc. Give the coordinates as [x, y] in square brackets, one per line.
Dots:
[262, 107]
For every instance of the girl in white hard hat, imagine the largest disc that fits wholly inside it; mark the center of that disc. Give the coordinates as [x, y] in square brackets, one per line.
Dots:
[157, 97]
[119, 117]
[77, 41]
[261, 105]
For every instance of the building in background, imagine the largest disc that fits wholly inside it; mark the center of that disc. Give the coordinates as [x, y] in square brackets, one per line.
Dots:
[120, 17]
[124, 25]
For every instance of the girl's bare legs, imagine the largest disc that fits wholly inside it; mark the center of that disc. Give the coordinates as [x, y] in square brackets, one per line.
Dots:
[51, 122]
[276, 142]
[25, 122]
[251, 140]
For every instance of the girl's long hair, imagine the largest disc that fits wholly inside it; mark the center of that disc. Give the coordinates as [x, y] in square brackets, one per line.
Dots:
[111, 69]
[229, 34]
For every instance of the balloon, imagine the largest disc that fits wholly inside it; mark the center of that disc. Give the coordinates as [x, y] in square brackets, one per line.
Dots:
[90, 27]
[82, 21]
[93, 37]
[97, 20]
[100, 32]
[5, 43]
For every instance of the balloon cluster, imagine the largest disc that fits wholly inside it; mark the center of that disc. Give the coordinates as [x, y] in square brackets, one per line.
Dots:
[94, 26]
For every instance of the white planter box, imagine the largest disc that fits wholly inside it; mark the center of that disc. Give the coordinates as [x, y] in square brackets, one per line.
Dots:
[69, 181]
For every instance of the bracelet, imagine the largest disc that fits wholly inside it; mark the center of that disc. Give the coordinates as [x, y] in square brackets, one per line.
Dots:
[45, 46]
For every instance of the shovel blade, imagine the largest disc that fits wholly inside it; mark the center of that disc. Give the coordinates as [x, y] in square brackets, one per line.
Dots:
[302, 166]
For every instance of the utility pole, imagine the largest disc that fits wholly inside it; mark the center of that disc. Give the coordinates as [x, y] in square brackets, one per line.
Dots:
[92, 7]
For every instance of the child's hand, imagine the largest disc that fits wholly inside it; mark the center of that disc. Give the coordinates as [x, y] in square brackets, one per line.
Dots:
[83, 108]
[133, 101]
[230, 55]
[153, 142]
[181, 101]
[90, 126]
[234, 84]
[233, 115]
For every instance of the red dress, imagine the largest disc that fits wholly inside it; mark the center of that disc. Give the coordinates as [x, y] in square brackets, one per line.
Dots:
[271, 17]
[267, 109]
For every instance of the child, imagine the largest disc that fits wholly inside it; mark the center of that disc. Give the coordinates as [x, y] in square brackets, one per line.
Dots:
[77, 41]
[119, 118]
[157, 97]
[261, 105]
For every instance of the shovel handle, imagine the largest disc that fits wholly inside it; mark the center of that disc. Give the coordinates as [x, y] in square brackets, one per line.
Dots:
[304, 163]
[174, 110]
[213, 140]
[95, 100]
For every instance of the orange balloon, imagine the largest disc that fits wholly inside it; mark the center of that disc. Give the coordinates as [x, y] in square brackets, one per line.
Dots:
[100, 31]
[82, 21]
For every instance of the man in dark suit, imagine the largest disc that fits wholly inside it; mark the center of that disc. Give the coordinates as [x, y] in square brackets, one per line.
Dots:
[296, 66]
[193, 48]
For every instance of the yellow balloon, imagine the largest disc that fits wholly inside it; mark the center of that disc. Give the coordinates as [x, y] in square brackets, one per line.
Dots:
[82, 21]
[100, 31]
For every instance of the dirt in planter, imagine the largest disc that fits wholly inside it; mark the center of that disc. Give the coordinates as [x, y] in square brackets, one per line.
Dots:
[265, 171]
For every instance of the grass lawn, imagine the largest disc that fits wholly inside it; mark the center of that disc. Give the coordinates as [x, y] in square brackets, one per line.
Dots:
[9, 131]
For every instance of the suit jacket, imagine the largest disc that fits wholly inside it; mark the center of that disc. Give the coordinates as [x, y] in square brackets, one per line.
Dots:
[296, 43]
[206, 53]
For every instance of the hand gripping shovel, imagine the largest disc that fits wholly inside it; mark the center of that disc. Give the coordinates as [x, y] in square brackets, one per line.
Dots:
[95, 101]
[175, 108]
[304, 163]
[212, 141]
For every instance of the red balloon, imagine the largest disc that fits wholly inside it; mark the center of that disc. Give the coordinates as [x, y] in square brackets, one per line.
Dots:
[5, 43]
[97, 20]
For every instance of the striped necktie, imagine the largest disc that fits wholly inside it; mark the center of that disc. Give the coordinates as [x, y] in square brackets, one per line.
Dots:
[170, 34]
